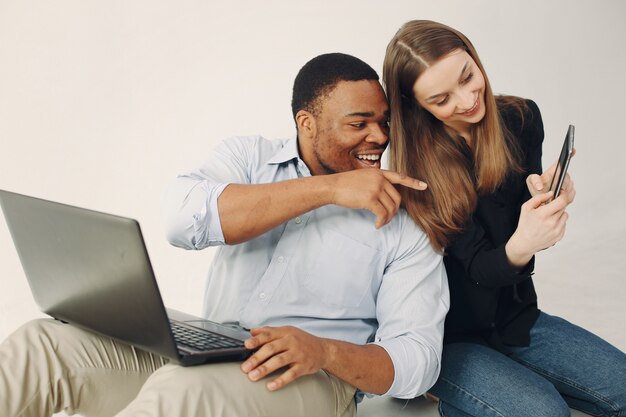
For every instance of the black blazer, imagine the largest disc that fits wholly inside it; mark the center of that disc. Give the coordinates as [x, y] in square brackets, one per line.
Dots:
[491, 302]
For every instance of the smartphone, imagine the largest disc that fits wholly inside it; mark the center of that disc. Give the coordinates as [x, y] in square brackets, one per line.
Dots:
[563, 162]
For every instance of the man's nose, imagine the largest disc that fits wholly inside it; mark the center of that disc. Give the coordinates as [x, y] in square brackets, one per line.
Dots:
[378, 134]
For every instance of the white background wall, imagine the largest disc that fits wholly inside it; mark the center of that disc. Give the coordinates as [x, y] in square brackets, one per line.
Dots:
[102, 102]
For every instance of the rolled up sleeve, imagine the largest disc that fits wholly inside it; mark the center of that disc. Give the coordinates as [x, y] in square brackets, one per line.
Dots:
[412, 305]
[190, 201]
[191, 213]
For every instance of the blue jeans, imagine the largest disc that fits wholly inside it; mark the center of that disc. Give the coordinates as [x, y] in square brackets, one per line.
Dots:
[564, 366]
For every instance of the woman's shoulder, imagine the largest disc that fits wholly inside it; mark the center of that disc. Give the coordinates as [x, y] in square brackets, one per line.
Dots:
[519, 114]
[517, 110]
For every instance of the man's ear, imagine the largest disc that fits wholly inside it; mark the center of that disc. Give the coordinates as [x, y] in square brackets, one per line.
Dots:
[305, 123]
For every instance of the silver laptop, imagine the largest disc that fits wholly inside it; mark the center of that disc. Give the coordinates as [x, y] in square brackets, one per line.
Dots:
[92, 270]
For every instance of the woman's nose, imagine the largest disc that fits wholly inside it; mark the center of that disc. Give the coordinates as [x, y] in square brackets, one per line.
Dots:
[467, 100]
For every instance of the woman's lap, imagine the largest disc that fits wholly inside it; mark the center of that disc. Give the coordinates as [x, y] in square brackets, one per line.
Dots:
[563, 366]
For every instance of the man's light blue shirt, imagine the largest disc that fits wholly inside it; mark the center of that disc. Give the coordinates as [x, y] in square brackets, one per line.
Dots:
[329, 271]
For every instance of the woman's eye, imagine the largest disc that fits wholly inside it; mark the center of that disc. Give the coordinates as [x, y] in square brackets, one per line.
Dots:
[442, 102]
[468, 78]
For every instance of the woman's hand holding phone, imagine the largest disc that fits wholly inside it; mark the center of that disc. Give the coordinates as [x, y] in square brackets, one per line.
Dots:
[543, 218]
[541, 224]
[539, 184]
[556, 177]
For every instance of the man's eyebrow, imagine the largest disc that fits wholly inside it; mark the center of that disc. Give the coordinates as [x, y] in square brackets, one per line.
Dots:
[460, 77]
[361, 114]
[366, 114]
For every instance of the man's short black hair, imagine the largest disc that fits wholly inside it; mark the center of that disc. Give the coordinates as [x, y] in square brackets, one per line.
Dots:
[320, 75]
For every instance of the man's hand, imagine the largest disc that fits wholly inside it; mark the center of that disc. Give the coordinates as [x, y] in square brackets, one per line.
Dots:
[280, 347]
[373, 190]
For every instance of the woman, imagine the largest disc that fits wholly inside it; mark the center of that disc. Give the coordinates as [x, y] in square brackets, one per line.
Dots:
[488, 208]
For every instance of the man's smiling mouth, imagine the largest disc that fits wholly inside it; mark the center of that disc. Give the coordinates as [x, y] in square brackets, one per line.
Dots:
[370, 160]
[369, 157]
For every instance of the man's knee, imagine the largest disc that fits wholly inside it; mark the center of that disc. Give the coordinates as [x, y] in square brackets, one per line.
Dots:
[214, 389]
[48, 342]
[35, 334]
[220, 380]
[191, 385]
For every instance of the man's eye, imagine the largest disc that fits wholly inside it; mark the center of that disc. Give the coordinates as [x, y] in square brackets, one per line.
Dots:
[358, 125]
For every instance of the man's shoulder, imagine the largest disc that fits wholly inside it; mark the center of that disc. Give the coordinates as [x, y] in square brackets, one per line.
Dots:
[406, 231]
[403, 222]
[254, 142]
[256, 149]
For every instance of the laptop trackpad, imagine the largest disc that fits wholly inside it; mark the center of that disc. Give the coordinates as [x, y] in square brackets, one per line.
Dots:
[232, 330]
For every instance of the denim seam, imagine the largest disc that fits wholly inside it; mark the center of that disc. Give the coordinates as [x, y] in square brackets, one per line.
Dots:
[613, 406]
[478, 400]
[439, 408]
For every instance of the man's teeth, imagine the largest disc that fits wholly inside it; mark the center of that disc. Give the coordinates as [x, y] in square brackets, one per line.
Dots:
[369, 157]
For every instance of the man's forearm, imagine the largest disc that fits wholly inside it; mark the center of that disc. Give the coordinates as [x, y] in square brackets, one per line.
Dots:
[249, 210]
[367, 367]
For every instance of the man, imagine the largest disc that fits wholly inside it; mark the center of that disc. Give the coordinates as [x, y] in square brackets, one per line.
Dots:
[334, 304]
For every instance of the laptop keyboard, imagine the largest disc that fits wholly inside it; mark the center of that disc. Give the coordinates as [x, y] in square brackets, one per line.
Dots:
[200, 340]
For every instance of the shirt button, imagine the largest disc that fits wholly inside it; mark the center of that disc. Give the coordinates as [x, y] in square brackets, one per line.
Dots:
[280, 259]
[298, 220]
[262, 296]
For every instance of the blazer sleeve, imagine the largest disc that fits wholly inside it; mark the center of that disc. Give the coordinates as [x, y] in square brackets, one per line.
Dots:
[533, 133]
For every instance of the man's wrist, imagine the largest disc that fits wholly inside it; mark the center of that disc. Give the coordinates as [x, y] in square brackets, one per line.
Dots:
[324, 188]
[329, 349]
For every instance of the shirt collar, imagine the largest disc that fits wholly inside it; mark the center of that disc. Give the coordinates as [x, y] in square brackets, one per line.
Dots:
[288, 152]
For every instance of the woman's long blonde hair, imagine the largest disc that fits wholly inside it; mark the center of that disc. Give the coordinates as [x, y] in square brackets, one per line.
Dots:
[421, 147]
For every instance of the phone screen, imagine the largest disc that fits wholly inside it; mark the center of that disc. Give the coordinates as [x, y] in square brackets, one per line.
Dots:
[563, 162]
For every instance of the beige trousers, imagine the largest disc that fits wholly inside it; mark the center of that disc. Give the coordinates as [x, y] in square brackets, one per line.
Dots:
[47, 367]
